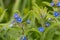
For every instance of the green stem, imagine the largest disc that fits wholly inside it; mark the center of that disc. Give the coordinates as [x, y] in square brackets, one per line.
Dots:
[1, 3]
[2, 16]
[29, 4]
[16, 6]
[23, 6]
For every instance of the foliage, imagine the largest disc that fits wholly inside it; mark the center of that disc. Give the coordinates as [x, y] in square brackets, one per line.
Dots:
[29, 20]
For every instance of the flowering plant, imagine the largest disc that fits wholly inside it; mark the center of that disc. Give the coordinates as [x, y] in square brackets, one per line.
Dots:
[29, 20]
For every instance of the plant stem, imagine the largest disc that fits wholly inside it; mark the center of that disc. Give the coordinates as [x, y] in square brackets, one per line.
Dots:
[16, 6]
[29, 4]
[1, 4]
[23, 6]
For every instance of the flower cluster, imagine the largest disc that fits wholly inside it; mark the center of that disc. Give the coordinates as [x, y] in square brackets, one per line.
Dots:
[41, 29]
[56, 14]
[52, 4]
[18, 19]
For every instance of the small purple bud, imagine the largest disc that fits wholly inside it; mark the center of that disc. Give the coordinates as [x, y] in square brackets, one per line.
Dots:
[47, 24]
[52, 3]
[16, 15]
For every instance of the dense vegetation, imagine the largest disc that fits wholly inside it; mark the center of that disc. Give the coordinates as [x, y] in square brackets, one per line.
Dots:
[29, 20]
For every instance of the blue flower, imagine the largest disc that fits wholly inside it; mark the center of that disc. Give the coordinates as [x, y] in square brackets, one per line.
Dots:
[56, 14]
[58, 4]
[41, 29]
[19, 20]
[24, 38]
[47, 24]
[16, 15]
[52, 3]
[28, 21]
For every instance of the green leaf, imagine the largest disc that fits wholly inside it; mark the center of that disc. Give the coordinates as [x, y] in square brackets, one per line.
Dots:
[47, 3]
